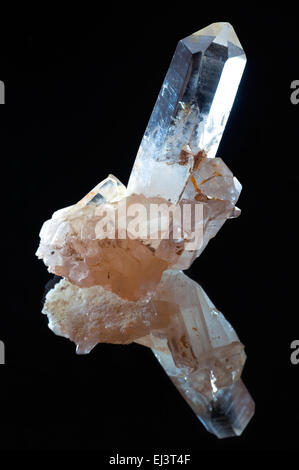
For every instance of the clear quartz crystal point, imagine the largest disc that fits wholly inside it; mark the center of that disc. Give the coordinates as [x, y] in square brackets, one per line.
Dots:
[202, 356]
[190, 113]
[110, 189]
[225, 413]
[123, 289]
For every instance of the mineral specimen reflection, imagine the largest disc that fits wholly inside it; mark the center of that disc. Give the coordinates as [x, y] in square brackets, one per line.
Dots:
[122, 278]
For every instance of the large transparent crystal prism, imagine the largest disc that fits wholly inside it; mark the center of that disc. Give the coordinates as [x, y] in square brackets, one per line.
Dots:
[190, 113]
[202, 355]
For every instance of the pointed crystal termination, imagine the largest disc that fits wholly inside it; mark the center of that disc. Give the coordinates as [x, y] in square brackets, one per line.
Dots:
[191, 111]
[202, 356]
[228, 410]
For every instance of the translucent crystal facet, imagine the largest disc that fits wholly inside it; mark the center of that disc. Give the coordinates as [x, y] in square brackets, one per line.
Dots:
[191, 111]
[210, 383]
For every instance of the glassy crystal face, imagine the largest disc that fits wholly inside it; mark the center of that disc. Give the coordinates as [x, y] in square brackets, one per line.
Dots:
[191, 111]
[202, 355]
[108, 190]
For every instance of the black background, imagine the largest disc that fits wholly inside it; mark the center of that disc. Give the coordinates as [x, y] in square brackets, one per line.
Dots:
[78, 98]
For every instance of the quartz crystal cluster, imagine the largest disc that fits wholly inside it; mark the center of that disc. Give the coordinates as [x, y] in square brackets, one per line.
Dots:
[120, 284]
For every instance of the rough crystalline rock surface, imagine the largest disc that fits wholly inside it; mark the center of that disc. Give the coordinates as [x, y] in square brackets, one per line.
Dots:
[73, 244]
[122, 278]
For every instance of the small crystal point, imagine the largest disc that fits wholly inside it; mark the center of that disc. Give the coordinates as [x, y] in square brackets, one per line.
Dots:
[190, 113]
[108, 190]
